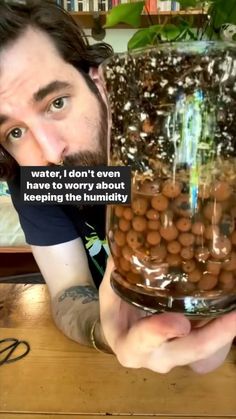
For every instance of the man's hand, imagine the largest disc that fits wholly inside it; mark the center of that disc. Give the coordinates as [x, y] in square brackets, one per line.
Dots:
[161, 342]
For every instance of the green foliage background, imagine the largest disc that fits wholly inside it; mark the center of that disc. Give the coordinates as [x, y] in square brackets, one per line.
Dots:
[219, 12]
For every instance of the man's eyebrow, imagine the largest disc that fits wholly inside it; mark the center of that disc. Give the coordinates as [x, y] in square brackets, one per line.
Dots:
[3, 119]
[52, 87]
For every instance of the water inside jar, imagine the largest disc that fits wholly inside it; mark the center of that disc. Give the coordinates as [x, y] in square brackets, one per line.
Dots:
[177, 236]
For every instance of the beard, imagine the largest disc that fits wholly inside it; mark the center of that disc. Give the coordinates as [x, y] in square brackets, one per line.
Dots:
[86, 158]
[90, 158]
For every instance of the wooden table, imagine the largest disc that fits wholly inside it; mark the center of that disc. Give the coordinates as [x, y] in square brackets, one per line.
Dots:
[61, 379]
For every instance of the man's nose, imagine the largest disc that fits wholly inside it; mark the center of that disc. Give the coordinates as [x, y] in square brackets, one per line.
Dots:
[51, 143]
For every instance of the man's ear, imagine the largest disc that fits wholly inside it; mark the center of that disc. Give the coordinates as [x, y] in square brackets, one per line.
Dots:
[94, 74]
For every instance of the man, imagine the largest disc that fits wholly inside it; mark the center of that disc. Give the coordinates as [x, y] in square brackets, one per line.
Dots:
[53, 110]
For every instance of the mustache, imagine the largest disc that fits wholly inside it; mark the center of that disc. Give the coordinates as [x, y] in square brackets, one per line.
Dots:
[86, 158]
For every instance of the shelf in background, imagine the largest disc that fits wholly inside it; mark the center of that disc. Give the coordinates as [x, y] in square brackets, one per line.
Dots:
[86, 19]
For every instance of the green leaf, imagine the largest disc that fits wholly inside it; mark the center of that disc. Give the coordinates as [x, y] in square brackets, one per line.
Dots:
[155, 28]
[183, 35]
[129, 13]
[191, 34]
[144, 37]
[223, 12]
[170, 31]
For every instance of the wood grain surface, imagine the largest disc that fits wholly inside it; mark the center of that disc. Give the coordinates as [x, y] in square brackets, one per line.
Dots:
[60, 378]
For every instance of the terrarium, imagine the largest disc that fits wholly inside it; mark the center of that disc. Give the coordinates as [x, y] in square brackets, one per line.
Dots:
[173, 113]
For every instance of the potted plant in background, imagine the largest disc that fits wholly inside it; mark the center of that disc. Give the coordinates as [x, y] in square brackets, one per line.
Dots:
[173, 111]
[217, 20]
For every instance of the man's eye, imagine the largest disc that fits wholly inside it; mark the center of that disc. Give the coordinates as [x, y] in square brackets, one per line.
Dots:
[58, 104]
[16, 134]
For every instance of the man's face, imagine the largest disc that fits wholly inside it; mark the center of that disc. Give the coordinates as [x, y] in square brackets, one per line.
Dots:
[47, 111]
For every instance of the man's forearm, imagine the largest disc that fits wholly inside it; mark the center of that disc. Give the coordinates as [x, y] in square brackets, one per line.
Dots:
[75, 311]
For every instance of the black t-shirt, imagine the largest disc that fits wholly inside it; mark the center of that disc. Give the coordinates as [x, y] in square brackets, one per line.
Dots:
[46, 225]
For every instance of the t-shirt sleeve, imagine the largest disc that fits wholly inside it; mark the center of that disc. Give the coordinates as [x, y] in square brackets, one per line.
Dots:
[43, 225]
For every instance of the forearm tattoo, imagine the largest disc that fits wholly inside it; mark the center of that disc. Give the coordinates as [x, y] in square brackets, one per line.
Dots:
[85, 293]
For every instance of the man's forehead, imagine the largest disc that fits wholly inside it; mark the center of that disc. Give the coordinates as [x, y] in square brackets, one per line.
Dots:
[29, 64]
[33, 47]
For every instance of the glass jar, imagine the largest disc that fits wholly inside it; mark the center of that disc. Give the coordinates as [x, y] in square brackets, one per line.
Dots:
[173, 111]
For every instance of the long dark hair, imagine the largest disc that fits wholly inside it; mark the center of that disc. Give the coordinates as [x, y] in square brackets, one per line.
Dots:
[67, 35]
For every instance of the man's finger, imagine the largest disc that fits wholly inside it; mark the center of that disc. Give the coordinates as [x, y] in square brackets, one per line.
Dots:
[202, 343]
[206, 365]
[147, 334]
[105, 289]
